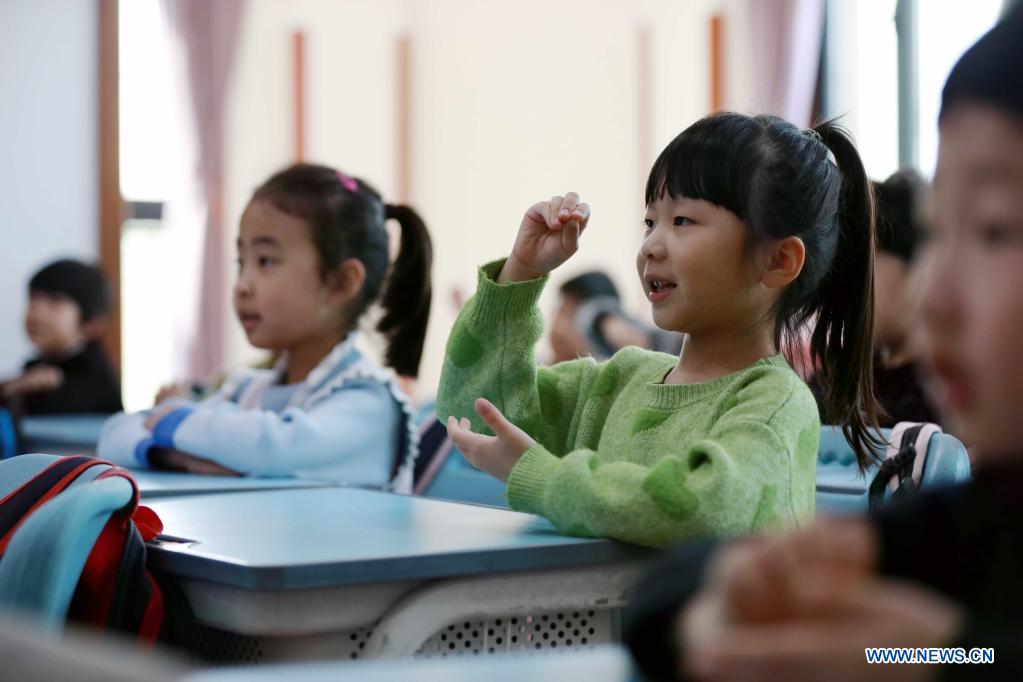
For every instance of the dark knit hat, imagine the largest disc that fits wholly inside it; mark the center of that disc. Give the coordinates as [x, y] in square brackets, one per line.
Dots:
[84, 284]
[898, 229]
[990, 72]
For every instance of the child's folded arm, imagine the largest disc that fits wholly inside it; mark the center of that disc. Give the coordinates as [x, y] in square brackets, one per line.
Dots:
[490, 355]
[354, 429]
[736, 482]
[124, 439]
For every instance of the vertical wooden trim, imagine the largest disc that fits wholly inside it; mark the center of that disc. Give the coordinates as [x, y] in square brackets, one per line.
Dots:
[111, 204]
[403, 119]
[644, 101]
[298, 43]
[717, 67]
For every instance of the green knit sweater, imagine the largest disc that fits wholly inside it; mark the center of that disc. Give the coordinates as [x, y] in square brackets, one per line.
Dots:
[619, 453]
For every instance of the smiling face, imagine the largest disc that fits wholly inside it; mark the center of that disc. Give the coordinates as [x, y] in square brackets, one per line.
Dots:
[970, 278]
[280, 297]
[695, 269]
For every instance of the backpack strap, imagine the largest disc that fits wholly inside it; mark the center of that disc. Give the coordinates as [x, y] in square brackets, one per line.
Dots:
[434, 449]
[20, 503]
[902, 470]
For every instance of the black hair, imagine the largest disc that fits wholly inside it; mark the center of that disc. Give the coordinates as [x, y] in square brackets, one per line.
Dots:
[346, 220]
[898, 230]
[988, 73]
[782, 181]
[82, 283]
[589, 285]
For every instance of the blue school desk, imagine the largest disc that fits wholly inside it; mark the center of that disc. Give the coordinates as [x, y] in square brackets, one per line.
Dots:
[61, 435]
[600, 664]
[342, 573]
[156, 484]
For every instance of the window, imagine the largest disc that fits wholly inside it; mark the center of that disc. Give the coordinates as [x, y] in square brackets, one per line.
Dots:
[862, 65]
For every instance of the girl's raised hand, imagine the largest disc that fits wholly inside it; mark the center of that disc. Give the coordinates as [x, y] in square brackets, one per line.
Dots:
[548, 236]
[497, 454]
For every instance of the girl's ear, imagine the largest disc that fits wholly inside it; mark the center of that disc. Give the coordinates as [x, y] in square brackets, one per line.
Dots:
[785, 263]
[344, 282]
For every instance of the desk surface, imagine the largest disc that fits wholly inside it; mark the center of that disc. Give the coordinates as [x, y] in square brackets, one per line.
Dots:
[156, 484]
[77, 430]
[606, 664]
[326, 537]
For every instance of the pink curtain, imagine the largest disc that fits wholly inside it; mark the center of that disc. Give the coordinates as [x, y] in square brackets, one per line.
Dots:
[208, 31]
[786, 37]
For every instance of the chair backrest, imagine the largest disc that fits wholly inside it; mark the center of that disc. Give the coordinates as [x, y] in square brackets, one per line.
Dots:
[8, 434]
[842, 489]
[443, 473]
[459, 481]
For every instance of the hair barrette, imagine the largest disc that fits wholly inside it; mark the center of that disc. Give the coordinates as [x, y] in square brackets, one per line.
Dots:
[348, 182]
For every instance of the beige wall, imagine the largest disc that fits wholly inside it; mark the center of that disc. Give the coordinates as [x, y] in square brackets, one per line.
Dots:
[49, 167]
[512, 102]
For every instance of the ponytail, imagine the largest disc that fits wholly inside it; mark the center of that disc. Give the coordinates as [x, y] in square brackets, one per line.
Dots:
[842, 342]
[407, 293]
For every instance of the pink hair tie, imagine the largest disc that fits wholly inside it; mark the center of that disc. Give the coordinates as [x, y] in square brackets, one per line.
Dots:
[348, 182]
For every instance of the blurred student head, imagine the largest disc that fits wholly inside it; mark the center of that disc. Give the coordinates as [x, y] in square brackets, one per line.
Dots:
[898, 234]
[566, 341]
[68, 303]
[971, 267]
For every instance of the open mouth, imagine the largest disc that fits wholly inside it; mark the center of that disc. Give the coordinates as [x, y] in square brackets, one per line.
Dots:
[249, 320]
[950, 383]
[660, 289]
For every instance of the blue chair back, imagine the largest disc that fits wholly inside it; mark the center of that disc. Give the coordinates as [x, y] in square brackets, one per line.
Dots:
[459, 481]
[8, 435]
[450, 475]
[842, 489]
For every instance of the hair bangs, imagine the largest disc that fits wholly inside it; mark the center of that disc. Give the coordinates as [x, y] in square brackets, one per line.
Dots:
[708, 160]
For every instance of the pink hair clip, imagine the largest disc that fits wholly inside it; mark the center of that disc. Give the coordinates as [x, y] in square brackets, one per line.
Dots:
[348, 182]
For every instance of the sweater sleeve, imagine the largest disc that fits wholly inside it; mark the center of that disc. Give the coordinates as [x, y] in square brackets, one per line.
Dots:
[124, 440]
[745, 475]
[353, 433]
[490, 355]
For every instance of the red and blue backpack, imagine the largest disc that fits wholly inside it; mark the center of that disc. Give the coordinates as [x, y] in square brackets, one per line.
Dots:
[114, 591]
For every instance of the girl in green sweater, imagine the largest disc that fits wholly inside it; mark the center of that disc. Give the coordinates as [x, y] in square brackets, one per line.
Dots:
[754, 231]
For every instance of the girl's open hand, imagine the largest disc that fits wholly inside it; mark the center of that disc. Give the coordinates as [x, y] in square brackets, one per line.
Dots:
[495, 455]
[548, 236]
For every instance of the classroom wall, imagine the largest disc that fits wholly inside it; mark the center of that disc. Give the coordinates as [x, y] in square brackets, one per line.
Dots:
[49, 167]
[511, 103]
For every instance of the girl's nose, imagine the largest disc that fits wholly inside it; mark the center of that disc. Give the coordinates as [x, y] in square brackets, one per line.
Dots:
[243, 285]
[935, 291]
[652, 247]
